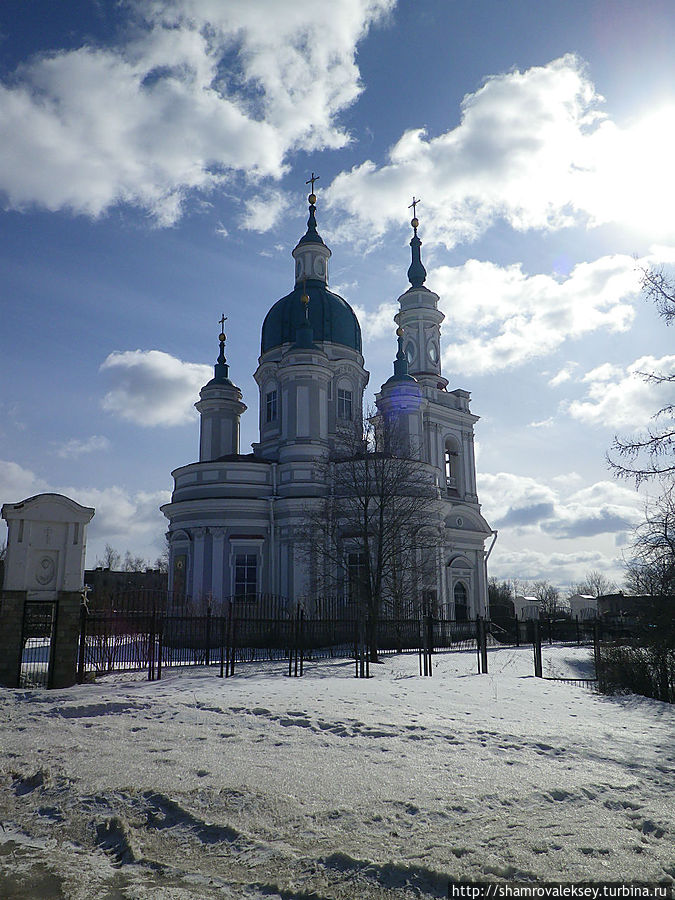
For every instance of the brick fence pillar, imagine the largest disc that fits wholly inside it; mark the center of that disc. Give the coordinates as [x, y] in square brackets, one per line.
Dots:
[63, 671]
[11, 625]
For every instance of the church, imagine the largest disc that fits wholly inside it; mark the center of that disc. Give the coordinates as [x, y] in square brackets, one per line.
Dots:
[236, 519]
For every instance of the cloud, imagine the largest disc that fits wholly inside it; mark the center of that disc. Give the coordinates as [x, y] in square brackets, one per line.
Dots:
[559, 568]
[123, 518]
[620, 397]
[149, 387]
[263, 211]
[532, 149]
[525, 505]
[17, 483]
[502, 317]
[563, 375]
[379, 323]
[200, 92]
[74, 447]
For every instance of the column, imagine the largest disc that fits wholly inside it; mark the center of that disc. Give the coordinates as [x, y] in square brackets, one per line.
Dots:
[218, 535]
[198, 536]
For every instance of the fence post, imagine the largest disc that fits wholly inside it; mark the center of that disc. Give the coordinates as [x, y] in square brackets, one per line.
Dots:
[208, 636]
[151, 647]
[160, 647]
[478, 646]
[83, 643]
[596, 653]
[222, 642]
[517, 631]
[576, 623]
[483, 645]
[233, 637]
[536, 647]
[302, 641]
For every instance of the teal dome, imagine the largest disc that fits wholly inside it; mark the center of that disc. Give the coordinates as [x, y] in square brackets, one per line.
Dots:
[331, 317]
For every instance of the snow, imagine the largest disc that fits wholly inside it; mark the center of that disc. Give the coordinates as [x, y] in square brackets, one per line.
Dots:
[327, 786]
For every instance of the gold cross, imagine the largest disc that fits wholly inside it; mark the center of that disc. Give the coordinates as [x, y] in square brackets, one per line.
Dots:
[222, 320]
[312, 180]
[413, 205]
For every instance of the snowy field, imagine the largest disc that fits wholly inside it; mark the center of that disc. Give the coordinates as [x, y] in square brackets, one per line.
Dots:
[275, 788]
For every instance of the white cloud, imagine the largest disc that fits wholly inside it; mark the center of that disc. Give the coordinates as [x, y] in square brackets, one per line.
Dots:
[518, 504]
[149, 387]
[379, 323]
[621, 398]
[74, 447]
[532, 149]
[17, 483]
[503, 317]
[263, 211]
[563, 375]
[202, 90]
[123, 519]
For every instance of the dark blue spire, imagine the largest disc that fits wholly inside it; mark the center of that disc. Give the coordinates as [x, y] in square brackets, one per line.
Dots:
[312, 236]
[401, 362]
[221, 369]
[416, 273]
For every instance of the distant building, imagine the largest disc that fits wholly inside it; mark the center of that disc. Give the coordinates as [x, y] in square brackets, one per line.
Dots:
[107, 583]
[583, 606]
[527, 607]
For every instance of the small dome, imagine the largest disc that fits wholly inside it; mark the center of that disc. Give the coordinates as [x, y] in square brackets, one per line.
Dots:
[331, 317]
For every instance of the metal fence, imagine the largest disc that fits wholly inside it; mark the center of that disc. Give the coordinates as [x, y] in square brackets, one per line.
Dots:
[39, 620]
[147, 630]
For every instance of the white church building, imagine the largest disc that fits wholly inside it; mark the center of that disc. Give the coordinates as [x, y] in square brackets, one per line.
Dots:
[236, 519]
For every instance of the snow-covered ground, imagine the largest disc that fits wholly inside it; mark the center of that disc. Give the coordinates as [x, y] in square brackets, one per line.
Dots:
[327, 786]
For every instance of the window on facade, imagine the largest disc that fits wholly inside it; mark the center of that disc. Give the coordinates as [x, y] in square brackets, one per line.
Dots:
[271, 406]
[356, 575]
[344, 404]
[451, 458]
[245, 575]
[461, 598]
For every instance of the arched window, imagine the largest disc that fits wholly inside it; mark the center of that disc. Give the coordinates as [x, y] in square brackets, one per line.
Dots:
[461, 598]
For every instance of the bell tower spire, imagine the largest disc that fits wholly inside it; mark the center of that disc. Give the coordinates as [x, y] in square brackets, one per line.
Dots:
[220, 407]
[420, 318]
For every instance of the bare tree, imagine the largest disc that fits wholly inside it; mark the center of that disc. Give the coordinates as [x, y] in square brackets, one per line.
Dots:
[651, 567]
[595, 584]
[133, 563]
[651, 453]
[375, 536]
[547, 594]
[111, 559]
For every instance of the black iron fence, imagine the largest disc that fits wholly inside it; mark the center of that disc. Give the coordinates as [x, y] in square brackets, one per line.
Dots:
[149, 630]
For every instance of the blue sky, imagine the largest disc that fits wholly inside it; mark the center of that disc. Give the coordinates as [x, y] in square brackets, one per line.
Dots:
[152, 165]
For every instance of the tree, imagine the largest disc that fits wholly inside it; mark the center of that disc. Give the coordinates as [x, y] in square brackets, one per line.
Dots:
[374, 538]
[650, 569]
[499, 592]
[111, 559]
[547, 594]
[651, 453]
[595, 584]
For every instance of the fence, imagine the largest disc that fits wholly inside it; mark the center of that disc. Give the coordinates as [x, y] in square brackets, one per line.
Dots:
[149, 630]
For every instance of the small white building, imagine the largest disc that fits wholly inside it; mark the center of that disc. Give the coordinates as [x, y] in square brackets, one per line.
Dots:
[583, 606]
[527, 607]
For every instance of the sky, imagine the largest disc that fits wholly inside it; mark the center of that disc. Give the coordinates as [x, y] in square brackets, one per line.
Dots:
[153, 160]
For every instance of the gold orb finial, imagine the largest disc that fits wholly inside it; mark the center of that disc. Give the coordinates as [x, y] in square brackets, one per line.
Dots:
[222, 337]
[415, 222]
[312, 199]
[399, 332]
[304, 299]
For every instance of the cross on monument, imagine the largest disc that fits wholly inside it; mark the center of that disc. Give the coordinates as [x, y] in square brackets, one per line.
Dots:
[312, 180]
[222, 321]
[413, 205]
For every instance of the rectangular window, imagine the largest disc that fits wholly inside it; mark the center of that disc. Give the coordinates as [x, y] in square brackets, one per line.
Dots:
[271, 406]
[356, 574]
[344, 404]
[245, 575]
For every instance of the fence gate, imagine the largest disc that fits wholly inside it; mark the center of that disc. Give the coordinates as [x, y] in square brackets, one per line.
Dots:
[37, 640]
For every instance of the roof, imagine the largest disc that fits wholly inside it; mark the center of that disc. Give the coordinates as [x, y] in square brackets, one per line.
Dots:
[332, 318]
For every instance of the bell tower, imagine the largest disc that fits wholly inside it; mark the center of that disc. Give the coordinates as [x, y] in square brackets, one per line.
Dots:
[420, 319]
